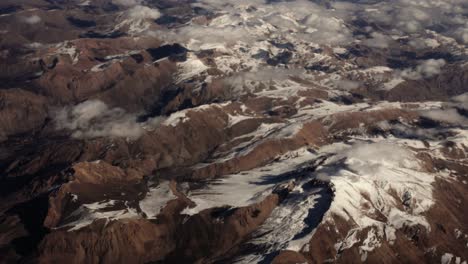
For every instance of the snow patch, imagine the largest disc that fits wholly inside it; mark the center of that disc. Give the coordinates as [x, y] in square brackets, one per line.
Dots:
[245, 188]
[156, 199]
[68, 48]
[190, 68]
[367, 176]
[446, 258]
[86, 214]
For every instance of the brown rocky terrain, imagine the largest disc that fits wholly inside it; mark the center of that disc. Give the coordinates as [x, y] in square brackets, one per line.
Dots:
[233, 132]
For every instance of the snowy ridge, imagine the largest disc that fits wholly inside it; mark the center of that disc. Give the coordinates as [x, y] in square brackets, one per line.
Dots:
[190, 68]
[86, 214]
[156, 199]
[377, 179]
[371, 178]
[245, 188]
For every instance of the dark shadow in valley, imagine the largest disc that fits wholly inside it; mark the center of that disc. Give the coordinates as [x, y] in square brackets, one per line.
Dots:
[32, 215]
[81, 23]
[315, 215]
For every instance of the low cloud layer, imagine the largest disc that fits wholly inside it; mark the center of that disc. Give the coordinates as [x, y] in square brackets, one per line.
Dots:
[240, 82]
[426, 69]
[450, 116]
[126, 2]
[262, 75]
[446, 17]
[94, 118]
[460, 101]
[142, 12]
[32, 19]
[346, 85]
[330, 23]
[198, 35]
[293, 19]
[369, 158]
[451, 111]
[377, 40]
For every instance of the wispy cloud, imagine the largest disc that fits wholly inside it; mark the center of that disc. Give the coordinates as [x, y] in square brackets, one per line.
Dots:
[425, 69]
[451, 111]
[126, 2]
[34, 19]
[94, 118]
[142, 12]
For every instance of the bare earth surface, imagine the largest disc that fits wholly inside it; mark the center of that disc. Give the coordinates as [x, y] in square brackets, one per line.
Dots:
[177, 131]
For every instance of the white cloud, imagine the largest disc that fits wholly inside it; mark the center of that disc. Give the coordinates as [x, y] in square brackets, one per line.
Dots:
[377, 40]
[324, 28]
[142, 12]
[462, 34]
[408, 17]
[228, 3]
[426, 69]
[449, 113]
[94, 118]
[262, 75]
[419, 43]
[199, 35]
[315, 23]
[372, 160]
[369, 158]
[347, 85]
[32, 19]
[295, 19]
[126, 2]
[450, 116]
[461, 101]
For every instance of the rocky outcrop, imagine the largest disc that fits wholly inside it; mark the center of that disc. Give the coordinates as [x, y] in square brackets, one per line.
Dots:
[262, 132]
[18, 104]
[170, 239]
